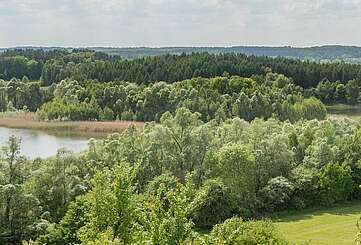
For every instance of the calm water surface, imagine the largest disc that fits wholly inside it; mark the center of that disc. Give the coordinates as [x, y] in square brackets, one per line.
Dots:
[41, 144]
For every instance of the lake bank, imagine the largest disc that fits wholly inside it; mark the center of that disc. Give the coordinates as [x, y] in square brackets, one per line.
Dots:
[344, 110]
[37, 143]
[88, 128]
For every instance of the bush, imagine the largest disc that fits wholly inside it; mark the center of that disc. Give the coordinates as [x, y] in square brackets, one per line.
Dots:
[236, 168]
[60, 110]
[237, 231]
[335, 183]
[107, 114]
[128, 116]
[306, 183]
[213, 204]
[66, 231]
[162, 182]
[275, 196]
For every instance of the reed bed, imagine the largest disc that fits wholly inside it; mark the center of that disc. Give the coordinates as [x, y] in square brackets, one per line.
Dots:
[30, 121]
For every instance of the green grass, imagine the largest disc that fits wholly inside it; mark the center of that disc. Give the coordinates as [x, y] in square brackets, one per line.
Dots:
[329, 226]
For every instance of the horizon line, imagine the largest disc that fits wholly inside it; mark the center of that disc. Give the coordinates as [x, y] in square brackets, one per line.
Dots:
[175, 46]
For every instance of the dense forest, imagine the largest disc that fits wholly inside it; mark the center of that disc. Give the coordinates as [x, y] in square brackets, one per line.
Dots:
[53, 66]
[229, 141]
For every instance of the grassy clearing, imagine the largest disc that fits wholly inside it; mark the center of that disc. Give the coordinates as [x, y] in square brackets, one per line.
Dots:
[328, 226]
[92, 128]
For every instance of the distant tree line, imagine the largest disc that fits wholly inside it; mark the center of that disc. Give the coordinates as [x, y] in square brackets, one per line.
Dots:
[31, 62]
[327, 52]
[56, 65]
[322, 53]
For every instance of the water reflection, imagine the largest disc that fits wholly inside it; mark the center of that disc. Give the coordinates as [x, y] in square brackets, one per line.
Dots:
[41, 144]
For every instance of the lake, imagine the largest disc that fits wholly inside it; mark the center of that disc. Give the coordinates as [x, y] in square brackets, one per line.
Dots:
[36, 143]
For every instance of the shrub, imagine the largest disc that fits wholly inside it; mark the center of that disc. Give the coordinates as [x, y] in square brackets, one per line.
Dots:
[213, 204]
[107, 114]
[275, 196]
[335, 183]
[237, 231]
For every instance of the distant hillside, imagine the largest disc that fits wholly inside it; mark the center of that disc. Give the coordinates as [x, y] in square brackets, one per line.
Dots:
[335, 52]
[316, 53]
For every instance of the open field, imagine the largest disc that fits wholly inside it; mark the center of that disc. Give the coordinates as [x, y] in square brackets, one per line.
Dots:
[92, 128]
[329, 226]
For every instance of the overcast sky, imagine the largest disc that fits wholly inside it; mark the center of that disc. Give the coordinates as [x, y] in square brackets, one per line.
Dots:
[179, 22]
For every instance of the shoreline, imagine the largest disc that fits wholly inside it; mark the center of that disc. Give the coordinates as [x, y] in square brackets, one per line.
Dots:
[80, 128]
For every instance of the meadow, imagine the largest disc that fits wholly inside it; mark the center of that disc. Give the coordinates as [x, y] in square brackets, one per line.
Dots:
[336, 225]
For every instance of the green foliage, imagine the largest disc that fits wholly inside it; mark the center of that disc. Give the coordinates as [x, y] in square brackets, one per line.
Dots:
[215, 98]
[275, 196]
[242, 179]
[222, 146]
[57, 182]
[165, 216]
[68, 90]
[111, 205]
[306, 187]
[56, 65]
[337, 92]
[157, 184]
[335, 183]
[19, 208]
[66, 231]
[213, 204]
[19, 94]
[163, 182]
[352, 92]
[61, 110]
[107, 114]
[237, 231]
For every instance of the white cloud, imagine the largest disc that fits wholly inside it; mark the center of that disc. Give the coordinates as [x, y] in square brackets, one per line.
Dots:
[179, 22]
